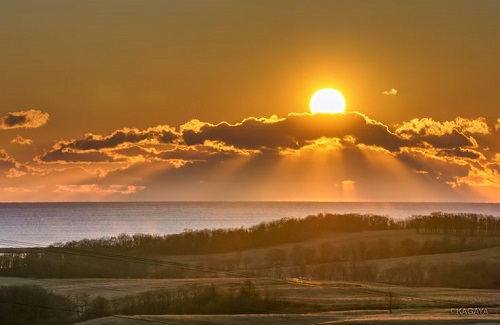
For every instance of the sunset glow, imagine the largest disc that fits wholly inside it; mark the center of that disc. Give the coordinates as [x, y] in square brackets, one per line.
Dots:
[229, 101]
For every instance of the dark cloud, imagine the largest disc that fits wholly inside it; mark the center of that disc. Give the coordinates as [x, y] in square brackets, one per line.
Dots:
[446, 141]
[159, 134]
[192, 154]
[461, 153]
[296, 131]
[200, 141]
[65, 156]
[197, 140]
[23, 119]
[11, 121]
[198, 156]
[102, 148]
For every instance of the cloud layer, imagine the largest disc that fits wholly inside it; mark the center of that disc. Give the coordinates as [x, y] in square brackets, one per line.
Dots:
[345, 156]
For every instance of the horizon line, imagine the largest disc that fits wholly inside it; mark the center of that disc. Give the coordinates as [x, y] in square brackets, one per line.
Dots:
[249, 201]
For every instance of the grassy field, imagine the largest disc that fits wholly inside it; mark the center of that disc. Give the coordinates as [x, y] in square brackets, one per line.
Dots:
[328, 293]
[256, 258]
[404, 316]
[346, 302]
[356, 303]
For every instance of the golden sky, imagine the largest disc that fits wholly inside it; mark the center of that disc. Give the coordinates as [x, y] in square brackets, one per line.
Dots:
[208, 100]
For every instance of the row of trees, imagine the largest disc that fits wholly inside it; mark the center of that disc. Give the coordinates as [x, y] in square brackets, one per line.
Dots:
[456, 224]
[375, 249]
[286, 230]
[245, 299]
[478, 274]
[60, 263]
[55, 264]
[28, 304]
[371, 250]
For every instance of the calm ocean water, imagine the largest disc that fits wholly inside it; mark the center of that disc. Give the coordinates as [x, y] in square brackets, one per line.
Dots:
[46, 223]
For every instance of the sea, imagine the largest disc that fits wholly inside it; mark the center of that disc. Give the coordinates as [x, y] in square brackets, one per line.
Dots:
[41, 224]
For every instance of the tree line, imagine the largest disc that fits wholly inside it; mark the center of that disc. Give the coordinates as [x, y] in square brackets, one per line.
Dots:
[374, 249]
[97, 258]
[206, 241]
[210, 299]
[469, 275]
[353, 262]
[286, 230]
[456, 224]
[30, 304]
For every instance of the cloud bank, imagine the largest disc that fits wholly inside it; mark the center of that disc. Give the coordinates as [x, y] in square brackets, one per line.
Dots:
[345, 156]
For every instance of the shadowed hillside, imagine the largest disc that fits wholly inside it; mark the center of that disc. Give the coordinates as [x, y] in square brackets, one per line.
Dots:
[287, 248]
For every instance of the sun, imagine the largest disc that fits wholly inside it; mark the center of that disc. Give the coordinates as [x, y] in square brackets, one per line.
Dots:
[327, 101]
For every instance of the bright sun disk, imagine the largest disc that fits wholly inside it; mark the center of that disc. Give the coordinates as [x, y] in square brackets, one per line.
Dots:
[327, 101]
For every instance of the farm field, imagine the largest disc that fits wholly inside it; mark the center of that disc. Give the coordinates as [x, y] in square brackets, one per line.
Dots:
[400, 317]
[415, 306]
[335, 294]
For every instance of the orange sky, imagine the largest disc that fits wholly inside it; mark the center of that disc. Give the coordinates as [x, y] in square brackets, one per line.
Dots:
[208, 100]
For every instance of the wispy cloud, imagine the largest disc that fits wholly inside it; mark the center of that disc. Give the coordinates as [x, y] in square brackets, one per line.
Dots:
[22, 141]
[95, 188]
[22, 190]
[6, 161]
[391, 92]
[12, 168]
[430, 127]
[13, 173]
[23, 119]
